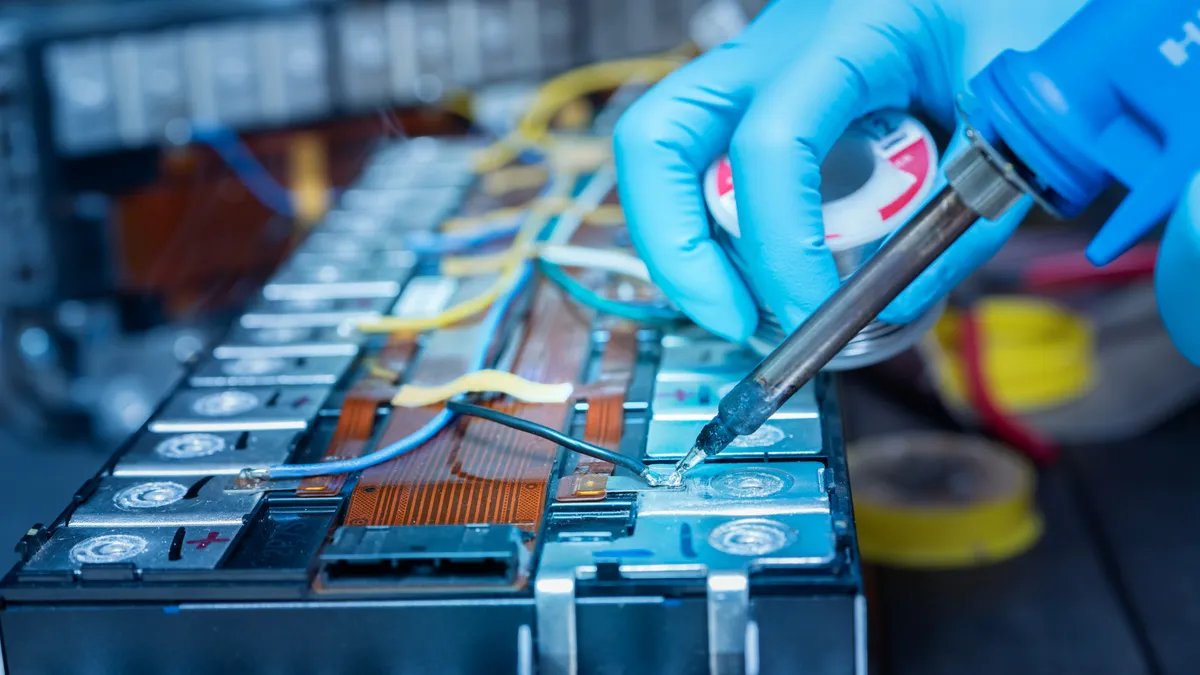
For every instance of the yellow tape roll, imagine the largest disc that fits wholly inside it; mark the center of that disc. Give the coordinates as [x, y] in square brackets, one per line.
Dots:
[937, 500]
[1035, 354]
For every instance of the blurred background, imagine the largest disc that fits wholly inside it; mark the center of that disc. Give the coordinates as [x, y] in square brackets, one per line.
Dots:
[159, 158]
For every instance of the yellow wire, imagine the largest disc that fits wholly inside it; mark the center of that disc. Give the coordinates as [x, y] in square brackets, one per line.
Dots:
[606, 215]
[376, 370]
[534, 127]
[479, 265]
[308, 163]
[492, 381]
[512, 178]
[509, 273]
[460, 312]
[546, 206]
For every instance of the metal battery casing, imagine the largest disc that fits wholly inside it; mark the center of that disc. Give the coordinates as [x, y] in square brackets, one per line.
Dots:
[71, 549]
[204, 453]
[694, 374]
[260, 371]
[289, 341]
[163, 502]
[240, 409]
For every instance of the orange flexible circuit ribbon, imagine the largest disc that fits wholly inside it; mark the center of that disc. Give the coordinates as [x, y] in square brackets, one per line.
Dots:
[477, 471]
[357, 420]
[350, 438]
[605, 421]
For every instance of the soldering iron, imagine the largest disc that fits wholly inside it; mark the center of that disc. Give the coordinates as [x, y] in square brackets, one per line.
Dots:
[1113, 95]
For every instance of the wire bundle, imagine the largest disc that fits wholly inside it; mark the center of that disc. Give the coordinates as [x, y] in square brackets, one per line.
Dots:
[516, 265]
[492, 325]
[246, 167]
[573, 444]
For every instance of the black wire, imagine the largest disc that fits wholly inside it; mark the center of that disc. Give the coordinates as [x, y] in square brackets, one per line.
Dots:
[572, 444]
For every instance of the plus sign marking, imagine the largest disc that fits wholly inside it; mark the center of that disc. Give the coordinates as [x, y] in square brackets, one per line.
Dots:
[212, 538]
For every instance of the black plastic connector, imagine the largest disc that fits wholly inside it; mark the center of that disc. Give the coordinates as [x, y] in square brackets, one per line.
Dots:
[429, 555]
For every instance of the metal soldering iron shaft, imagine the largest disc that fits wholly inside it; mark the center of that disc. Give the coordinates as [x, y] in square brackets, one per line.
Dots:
[855, 304]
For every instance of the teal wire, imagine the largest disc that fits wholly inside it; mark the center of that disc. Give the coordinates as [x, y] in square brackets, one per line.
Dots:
[585, 296]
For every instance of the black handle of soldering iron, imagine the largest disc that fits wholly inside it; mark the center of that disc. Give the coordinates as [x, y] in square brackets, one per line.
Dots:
[856, 303]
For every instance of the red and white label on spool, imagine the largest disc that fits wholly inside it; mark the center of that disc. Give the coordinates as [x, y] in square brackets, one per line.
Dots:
[905, 163]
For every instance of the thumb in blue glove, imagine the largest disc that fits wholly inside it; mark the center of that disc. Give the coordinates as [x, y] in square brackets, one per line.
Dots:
[1177, 275]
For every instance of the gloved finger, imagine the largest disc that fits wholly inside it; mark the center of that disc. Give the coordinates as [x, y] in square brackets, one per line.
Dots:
[855, 67]
[666, 140]
[1177, 275]
[975, 247]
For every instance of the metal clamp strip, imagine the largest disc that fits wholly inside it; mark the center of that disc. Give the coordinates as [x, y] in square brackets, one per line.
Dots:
[554, 595]
[728, 616]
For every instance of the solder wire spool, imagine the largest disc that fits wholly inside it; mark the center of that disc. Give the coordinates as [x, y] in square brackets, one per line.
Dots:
[1036, 354]
[937, 500]
[872, 181]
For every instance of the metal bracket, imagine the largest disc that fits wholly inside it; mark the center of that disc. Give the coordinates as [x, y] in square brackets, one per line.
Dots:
[728, 617]
[860, 635]
[554, 595]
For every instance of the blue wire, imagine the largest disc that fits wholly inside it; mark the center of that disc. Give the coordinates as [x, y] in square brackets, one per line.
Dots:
[434, 426]
[456, 243]
[238, 157]
[642, 313]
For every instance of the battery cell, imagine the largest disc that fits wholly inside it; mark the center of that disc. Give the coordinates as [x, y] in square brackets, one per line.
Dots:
[198, 547]
[152, 92]
[271, 370]
[293, 55]
[363, 51]
[204, 453]
[242, 409]
[334, 279]
[670, 439]
[223, 80]
[314, 313]
[84, 95]
[243, 343]
[163, 502]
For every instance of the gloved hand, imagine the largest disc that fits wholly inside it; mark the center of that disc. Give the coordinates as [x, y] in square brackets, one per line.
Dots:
[1176, 277]
[777, 97]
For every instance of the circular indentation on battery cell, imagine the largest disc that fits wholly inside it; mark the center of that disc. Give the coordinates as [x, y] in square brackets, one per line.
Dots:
[149, 495]
[108, 548]
[280, 335]
[751, 537]
[247, 367]
[305, 304]
[750, 483]
[327, 274]
[225, 404]
[189, 446]
[763, 437]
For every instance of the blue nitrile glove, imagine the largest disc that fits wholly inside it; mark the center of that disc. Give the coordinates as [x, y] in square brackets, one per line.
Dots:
[777, 97]
[1177, 275]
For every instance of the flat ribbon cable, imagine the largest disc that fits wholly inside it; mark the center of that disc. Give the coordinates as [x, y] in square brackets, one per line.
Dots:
[350, 438]
[397, 355]
[605, 421]
[356, 422]
[476, 471]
